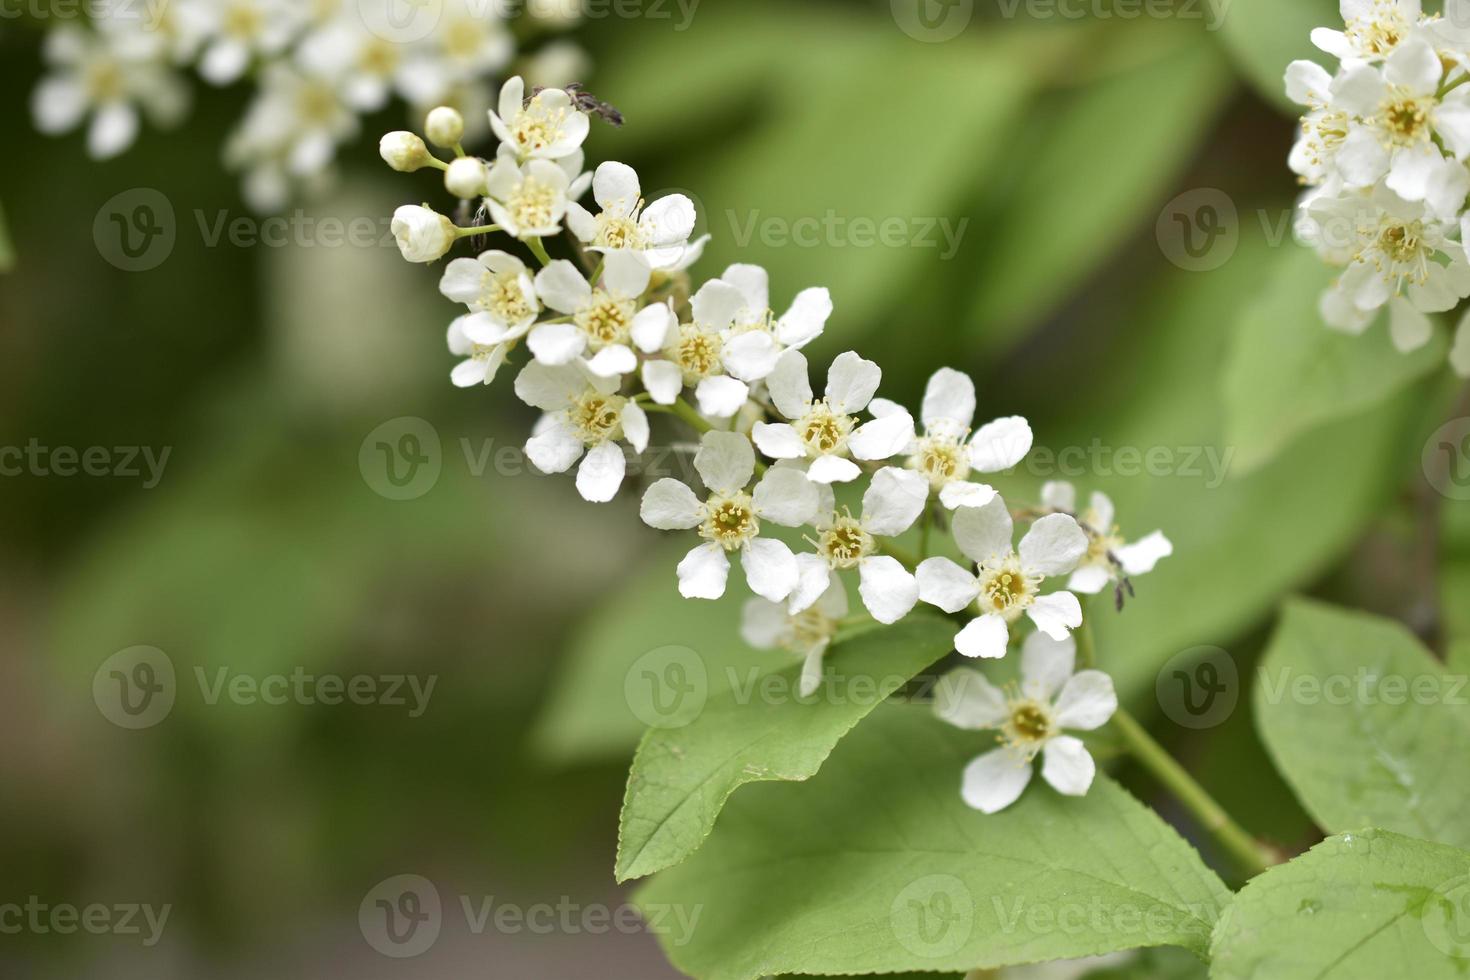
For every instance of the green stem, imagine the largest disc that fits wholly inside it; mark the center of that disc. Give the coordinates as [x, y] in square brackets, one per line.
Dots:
[686, 412]
[436, 163]
[927, 523]
[477, 230]
[538, 250]
[1252, 857]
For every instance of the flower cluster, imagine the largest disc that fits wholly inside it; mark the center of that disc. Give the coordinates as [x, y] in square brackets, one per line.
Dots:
[317, 66]
[1382, 151]
[809, 490]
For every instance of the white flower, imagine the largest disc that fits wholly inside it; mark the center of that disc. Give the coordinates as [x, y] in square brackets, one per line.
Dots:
[757, 338]
[549, 127]
[1374, 29]
[602, 318]
[1396, 118]
[942, 453]
[1008, 581]
[294, 124]
[498, 290]
[466, 177]
[243, 29]
[423, 235]
[825, 430]
[469, 42]
[693, 353]
[1399, 255]
[1108, 556]
[530, 201]
[1030, 719]
[403, 151]
[481, 361]
[659, 232]
[584, 415]
[768, 625]
[89, 76]
[892, 503]
[729, 519]
[363, 66]
[1324, 128]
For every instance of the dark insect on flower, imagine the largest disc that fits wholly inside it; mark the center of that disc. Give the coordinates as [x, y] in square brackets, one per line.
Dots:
[586, 102]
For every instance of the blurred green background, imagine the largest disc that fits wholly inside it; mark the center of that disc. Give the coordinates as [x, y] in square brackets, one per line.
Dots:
[1056, 143]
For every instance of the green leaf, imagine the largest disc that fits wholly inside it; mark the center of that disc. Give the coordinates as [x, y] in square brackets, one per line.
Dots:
[877, 866]
[1029, 267]
[1368, 905]
[1365, 725]
[1288, 372]
[1264, 36]
[682, 776]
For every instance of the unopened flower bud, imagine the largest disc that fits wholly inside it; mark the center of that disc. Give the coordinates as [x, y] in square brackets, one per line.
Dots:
[423, 235]
[466, 178]
[445, 126]
[403, 151]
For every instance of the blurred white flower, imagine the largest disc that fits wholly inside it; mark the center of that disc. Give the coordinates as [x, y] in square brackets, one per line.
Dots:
[768, 625]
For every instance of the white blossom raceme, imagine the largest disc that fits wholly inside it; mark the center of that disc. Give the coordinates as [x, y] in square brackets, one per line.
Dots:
[768, 625]
[1007, 582]
[826, 430]
[585, 419]
[1108, 556]
[601, 317]
[529, 201]
[659, 231]
[1031, 719]
[423, 235]
[729, 519]
[946, 454]
[893, 501]
[548, 127]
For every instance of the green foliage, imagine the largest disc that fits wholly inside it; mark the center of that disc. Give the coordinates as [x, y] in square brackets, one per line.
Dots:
[1264, 36]
[876, 865]
[682, 777]
[1365, 725]
[1360, 906]
[1288, 372]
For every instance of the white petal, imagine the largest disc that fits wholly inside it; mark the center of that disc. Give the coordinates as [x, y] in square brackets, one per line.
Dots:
[58, 104]
[811, 672]
[1067, 766]
[626, 274]
[703, 572]
[984, 533]
[554, 449]
[770, 568]
[635, 426]
[786, 497]
[721, 397]
[615, 188]
[725, 461]
[888, 589]
[664, 381]
[716, 304]
[944, 584]
[750, 356]
[601, 473]
[669, 505]
[1362, 159]
[833, 469]
[1408, 328]
[1359, 89]
[778, 441]
[851, 383]
[763, 623]
[893, 501]
[653, 327]
[754, 284]
[814, 579]
[1413, 65]
[562, 287]
[882, 438]
[1053, 546]
[669, 220]
[966, 699]
[1056, 614]
[949, 402]
[986, 637]
[962, 493]
[789, 386]
[1333, 42]
[1000, 445]
[806, 319]
[1141, 556]
[1307, 83]
[995, 780]
[462, 280]
[1411, 171]
[581, 222]
[1089, 579]
[467, 374]
[613, 362]
[1100, 511]
[1087, 701]
[556, 343]
[1046, 665]
[113, 129]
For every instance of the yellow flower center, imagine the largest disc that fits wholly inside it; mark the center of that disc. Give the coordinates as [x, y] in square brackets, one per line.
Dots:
[1028, 726]
[823, 430]
[617, 232]
[1007, 590]
[598, 417]
[730, 521]
[503, 298]
[607, 320]
[533, 204]
[845, 543]
[940, 459]
[698, 351]
[1406, 119]
[536, 127]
